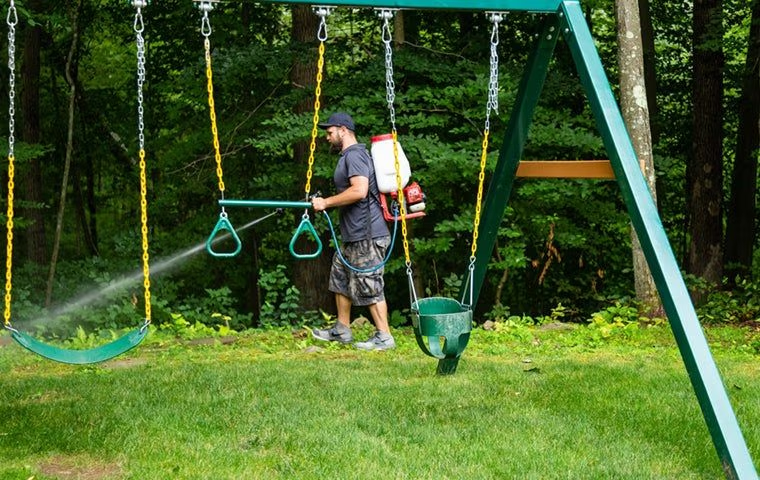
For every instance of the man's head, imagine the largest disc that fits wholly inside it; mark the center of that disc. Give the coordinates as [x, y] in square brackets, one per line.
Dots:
[340, 130]
[339, 119]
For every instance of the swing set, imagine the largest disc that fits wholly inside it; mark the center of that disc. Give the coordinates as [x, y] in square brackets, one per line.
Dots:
[442, 325]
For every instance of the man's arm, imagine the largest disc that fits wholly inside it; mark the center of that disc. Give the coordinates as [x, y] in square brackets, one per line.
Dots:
[357, 190]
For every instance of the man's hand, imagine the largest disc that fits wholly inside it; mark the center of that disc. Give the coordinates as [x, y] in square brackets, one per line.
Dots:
[319, 204]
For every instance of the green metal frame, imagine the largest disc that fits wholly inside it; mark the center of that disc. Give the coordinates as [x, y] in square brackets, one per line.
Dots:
[565, 17]
[264, 204]
[534, 6]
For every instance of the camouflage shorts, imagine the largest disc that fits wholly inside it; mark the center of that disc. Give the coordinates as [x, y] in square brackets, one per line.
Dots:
[362, 288]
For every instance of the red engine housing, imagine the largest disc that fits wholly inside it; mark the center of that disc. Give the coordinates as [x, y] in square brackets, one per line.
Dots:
[414, 199]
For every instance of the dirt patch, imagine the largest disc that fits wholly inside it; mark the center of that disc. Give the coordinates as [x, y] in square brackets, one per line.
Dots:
[126, 363]
[212, 341]
[78, 468]
[5, 341]
[751, 324]
[556, 326]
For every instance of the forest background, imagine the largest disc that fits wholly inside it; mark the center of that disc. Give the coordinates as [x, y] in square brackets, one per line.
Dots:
[563, 249]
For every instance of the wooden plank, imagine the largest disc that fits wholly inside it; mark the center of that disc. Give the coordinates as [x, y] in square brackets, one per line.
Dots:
[589, 169]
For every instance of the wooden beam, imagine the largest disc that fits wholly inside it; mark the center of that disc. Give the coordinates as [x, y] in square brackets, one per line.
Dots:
[589, 169]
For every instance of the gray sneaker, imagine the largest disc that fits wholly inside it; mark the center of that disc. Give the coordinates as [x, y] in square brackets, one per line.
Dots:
[338, 333]
[378, 341]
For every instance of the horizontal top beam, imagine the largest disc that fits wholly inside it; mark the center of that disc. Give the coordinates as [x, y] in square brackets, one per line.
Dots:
[539, 6]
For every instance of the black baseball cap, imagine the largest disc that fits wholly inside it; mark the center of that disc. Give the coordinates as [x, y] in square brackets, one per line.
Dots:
[339, 119]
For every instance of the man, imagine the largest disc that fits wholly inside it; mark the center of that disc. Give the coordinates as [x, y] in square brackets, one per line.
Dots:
[365, 238]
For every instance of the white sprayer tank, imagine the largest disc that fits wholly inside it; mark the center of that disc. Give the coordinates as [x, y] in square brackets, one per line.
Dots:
[385, 163]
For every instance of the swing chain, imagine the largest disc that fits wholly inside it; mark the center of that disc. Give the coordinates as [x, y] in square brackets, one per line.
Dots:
[12, 20]
[492, 104]
[390, 85]
[206, 6]
[390, 96]
[322, 12]
[493, 81]
[139, 27]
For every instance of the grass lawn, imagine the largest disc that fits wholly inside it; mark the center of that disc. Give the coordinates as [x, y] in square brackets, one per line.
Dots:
[525, 404]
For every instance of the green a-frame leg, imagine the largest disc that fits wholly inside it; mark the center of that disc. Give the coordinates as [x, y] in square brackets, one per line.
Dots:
[711, 394]
[565, 17]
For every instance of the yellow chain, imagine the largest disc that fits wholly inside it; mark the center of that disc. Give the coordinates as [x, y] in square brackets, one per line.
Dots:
[492, 104]
[315, 119]
[481, 178]
[9, 245]
[401, 199]
[144, 229]
[212, 114]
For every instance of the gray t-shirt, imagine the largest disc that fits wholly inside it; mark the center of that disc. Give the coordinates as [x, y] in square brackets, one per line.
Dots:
[362, 220]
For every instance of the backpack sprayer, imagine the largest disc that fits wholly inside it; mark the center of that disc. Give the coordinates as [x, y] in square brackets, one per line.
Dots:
[385, 173]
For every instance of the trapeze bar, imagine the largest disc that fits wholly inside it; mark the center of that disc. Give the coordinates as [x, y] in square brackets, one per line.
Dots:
[263, 204]
[538, 6]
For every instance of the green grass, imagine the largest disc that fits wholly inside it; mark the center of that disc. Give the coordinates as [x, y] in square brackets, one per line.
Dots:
[524, 404]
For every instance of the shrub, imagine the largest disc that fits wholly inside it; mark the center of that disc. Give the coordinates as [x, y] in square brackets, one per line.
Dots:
[281, 305]
[739, 305]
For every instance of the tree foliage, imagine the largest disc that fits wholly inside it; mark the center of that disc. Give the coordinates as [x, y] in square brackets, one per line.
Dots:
[561, 242]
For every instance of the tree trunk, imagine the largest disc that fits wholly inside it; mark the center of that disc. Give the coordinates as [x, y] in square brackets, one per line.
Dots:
[705, 170]
[650, 73]
[740, 222]
[83, 181]
[399, 33]
[253, 294]
[31, 178]
[71, 79]
[310, 277]
[633, 99]
[246, 16]
[84, 206]
[304, 71]
[411, 19]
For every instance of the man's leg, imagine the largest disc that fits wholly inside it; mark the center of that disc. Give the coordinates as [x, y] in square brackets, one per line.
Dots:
[379, 312]
[382, 339]
[344, 309]
[341, 331]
